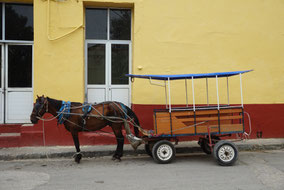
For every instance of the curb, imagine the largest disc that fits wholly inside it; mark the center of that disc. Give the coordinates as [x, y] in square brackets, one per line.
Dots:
[8, 154]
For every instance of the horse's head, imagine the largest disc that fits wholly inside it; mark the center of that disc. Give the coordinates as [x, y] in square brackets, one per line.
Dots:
[40, 108]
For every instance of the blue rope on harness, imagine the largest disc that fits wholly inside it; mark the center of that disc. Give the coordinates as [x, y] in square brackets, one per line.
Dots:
[89, 108]
[124, 110]
[64, 112]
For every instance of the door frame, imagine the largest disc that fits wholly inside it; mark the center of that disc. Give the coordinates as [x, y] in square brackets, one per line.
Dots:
[108, 86]
[7, 89]
[2, 88]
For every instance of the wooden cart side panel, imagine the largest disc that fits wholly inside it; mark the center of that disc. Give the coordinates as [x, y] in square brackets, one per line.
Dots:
[204, 127]
[180, 127]
[212, 118]
[163, 123]
[183, 121]
[206, 112]
[183, 113]
[232, 110]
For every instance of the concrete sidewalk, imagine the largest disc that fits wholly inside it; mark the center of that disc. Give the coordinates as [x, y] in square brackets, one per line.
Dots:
[107, 150]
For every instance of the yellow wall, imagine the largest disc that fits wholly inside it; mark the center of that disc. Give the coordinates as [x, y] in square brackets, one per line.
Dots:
[169, 37]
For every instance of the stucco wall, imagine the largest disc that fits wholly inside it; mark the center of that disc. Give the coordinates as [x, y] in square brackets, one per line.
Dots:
[169, 37]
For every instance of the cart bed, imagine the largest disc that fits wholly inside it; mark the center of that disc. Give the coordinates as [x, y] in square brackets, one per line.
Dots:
[186, 122]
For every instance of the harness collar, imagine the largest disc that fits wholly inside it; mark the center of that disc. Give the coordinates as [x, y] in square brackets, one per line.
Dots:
[64, 112]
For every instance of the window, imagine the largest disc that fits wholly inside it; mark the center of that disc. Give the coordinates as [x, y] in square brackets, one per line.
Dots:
[108, 48]
[18, 22]
[16, 71]
[118, 21]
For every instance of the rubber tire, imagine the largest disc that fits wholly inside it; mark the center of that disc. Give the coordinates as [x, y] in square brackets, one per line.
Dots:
[221, 144]
[149, 148]
[155, 150]
[204, 144]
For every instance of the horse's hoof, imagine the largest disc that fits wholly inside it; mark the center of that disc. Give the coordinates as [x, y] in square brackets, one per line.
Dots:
[116, 158]
[78, 158]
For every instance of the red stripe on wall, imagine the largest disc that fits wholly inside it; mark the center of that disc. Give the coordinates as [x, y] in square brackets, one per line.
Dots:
[266, 120]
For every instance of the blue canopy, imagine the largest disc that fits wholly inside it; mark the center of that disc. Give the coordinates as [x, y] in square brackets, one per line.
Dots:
[189, 76]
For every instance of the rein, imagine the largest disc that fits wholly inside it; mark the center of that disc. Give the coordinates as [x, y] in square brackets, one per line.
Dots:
[46, 111]
[63, 110]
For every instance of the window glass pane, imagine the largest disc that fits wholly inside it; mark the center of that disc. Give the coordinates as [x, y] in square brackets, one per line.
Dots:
[19, 66]
[96, 64]
[1, 21]
[120, 24]
[19, 22]
[96, 24]
[119, 64]
[0, 67]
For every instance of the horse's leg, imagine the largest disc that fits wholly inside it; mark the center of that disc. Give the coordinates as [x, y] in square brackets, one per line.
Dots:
[78, 154]
[120, 141]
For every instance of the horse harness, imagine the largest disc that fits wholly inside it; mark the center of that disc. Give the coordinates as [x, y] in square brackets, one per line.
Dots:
[65, 110]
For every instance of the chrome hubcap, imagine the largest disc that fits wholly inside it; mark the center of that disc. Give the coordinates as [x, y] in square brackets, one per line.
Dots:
[164, 152]
[226, 153]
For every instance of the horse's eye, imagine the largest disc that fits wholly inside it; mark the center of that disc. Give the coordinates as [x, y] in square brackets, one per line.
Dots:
[37, 106]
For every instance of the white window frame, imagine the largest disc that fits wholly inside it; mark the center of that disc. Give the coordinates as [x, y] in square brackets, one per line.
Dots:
[5, 89]
[108, 43]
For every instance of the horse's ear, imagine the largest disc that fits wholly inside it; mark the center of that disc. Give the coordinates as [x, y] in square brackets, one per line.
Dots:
[37, 96]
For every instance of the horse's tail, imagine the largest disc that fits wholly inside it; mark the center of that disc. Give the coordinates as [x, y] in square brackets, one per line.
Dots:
[131, 114]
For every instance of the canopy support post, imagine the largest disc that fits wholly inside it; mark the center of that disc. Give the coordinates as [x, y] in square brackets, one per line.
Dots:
[166, 95]
[241, 90]
[228, 93]
[193, 98]
[186, 93]
[217, 92]
[169, 86]
[207, 92]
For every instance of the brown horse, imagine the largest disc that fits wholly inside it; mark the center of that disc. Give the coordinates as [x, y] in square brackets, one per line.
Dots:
[77, 117]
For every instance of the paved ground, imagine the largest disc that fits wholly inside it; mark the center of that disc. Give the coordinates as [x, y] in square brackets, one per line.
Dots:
[103, 150]
[259, 170]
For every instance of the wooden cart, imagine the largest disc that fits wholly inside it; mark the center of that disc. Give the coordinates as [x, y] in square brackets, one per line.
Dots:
[209, 122]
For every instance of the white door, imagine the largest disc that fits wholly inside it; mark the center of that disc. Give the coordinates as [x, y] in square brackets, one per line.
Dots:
[1, 84]
[18, 83]
[108, 55]
[16, 55]
[119, 87]
[107, 65]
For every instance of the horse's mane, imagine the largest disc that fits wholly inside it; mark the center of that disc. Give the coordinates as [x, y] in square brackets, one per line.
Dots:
[56, 103]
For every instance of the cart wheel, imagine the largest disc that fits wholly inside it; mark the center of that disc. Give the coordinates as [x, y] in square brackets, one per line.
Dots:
[204, 144]
[164, 152]
[226, 153]
[149, 148]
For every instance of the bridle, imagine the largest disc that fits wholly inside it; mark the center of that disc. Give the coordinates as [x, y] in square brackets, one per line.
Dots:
[39, 107]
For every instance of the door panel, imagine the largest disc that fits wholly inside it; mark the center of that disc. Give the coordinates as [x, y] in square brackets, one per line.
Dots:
[1, 106]
[119, 83]
[19, 107]
[120, 95]
[96, 95]
[108, 54]
[1, 85]
[107, 65]
[18, 83]
[96, 64]
[96, 73]
[119, 64]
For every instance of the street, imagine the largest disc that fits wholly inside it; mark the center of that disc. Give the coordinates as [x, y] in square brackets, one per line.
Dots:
[254, 170]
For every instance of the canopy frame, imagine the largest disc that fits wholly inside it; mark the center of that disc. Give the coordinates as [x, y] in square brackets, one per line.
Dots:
[167, 85]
